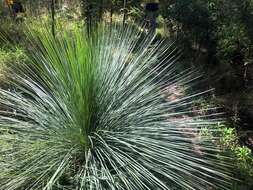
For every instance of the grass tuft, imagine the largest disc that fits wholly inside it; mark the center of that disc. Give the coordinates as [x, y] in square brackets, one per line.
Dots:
[106, 111]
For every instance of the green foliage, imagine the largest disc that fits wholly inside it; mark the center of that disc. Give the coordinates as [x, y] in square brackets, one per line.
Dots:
[233, 33]
[242, 155]
[233, 37]
[229, 138]
[9, 58]
[216, 29]
[90, 113]
[13, 31]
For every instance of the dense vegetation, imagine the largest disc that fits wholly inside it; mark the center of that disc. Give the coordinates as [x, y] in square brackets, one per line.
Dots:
[216, 36]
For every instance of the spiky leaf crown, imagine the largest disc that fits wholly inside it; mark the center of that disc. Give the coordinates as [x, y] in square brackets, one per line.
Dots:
[105, 111]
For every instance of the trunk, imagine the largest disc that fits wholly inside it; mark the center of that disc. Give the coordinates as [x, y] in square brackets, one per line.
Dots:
[124, 12]
[87, 8]
[249, 50]
[30, 8]
[53, 16]
[9, 10]
[101, 10]
[48, 7]
[152, 9]
[111, 13]
[153, 21]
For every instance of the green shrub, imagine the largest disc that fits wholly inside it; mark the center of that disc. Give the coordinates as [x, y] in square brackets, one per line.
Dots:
[90, 112]
[242, 157]
[9, 58]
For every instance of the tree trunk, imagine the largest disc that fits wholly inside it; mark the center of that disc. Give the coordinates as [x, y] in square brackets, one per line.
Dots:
[111, 13]
[101, 10]
[87, 9]
[53, 16]
[124, 12]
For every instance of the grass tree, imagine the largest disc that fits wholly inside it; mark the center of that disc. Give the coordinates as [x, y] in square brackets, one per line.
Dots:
[93, 113]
